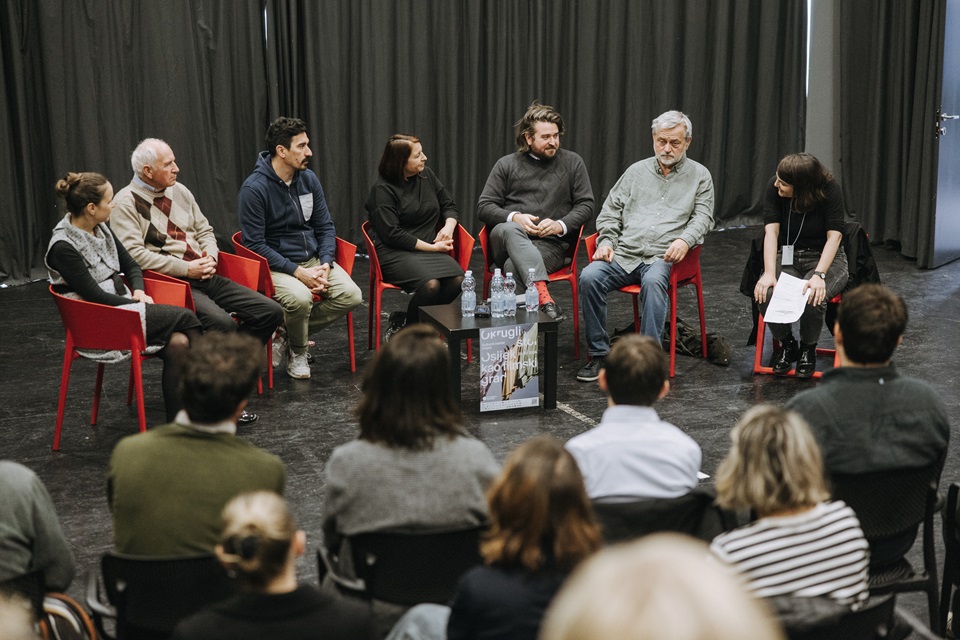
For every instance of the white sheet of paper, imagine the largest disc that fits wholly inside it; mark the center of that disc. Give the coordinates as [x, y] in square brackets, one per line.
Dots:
[788, 300]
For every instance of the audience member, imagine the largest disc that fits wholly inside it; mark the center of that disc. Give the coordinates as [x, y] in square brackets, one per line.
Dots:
[801, 544]
[803, 224]
[414, 220]
[632, 453]
[663, 587]
[284, 217]
[542, 527]
[867, 417]
[160, 223]
[86, 260]
[413, 468]
[653, 215]
[534, 203]
[260, 545]
[16, 619]
[30, 535]
[167, 487]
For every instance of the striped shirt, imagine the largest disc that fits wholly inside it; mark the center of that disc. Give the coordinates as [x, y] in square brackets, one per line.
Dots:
[820, 552]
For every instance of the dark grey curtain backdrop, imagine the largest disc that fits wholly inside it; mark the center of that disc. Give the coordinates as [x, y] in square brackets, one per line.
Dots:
[85, 80]
[459, 73]
[891, 55]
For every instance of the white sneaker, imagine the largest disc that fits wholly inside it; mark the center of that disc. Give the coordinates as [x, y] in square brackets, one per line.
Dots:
[297, 365]
[280, 346]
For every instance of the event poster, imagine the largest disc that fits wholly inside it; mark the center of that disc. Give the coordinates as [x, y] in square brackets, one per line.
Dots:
[509, 369]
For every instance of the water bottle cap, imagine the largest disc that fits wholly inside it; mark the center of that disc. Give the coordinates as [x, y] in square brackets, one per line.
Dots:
[468, 272]
[509, 274]
[496, 271]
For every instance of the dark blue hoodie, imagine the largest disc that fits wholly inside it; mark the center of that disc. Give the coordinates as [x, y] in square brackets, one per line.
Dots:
[286, 225]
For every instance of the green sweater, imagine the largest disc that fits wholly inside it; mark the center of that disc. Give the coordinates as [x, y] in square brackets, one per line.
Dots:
[167, 487]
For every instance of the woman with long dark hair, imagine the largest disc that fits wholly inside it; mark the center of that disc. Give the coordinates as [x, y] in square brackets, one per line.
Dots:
[803, 236]
[541, 528]
[414, 219]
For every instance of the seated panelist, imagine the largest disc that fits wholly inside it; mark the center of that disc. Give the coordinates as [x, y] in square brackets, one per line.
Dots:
[802, 236]
[414, 219]
[85, 260]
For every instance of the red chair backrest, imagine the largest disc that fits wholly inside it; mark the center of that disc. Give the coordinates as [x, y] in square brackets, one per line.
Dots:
[463, 244]
[346, 255]
[372, 251]
[484, 238]
[98, 326]
[169, 291]
[244, 271]
[266, 282]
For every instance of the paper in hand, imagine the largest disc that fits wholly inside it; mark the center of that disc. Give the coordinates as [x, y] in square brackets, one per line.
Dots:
[788, 300]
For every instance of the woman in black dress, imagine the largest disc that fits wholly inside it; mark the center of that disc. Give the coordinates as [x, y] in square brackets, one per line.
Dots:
[803, 236]
[413, 218]
[85, 261]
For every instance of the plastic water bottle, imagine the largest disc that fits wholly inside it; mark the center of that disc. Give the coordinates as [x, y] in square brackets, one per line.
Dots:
[496, 295]
[532, 295]
[468, 295]
[509, 296]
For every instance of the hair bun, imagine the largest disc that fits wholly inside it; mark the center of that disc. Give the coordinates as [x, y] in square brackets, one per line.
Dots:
[248, 547]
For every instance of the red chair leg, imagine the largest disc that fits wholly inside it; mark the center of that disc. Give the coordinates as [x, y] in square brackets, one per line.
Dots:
[673, 330]
[353, 354]
[62, 403]
[703, 318]
[138, 381]
[376, 320]
[636, 313]
[576, 318]
[98, 387]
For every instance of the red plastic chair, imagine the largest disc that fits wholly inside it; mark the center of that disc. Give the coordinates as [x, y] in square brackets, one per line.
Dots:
[758, 366]
[149, 274]
[344, 256]
[463, 244]
[685, 272]
[97, 326]
[567, 273]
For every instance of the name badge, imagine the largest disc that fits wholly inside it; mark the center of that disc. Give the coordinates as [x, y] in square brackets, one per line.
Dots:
[306, 203]
[787, 258]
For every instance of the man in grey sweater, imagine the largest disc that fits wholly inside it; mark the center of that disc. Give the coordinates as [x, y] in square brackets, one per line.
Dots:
[535, 202]
[658, 209]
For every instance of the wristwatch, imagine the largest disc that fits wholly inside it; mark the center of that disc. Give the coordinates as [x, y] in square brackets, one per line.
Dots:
[823, 276]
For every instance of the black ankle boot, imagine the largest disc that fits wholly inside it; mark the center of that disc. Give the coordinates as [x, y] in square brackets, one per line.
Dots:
[807, 363]
[785, 356]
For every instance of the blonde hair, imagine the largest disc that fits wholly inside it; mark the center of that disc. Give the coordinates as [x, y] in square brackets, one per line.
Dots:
[661, 587]
[16, 618]
[258, 530]
[774, 464]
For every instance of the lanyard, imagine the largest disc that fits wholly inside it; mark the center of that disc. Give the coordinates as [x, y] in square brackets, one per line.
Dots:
[802, 220]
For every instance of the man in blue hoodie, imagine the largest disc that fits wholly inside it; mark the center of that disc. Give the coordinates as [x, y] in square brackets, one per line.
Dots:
[284, 217]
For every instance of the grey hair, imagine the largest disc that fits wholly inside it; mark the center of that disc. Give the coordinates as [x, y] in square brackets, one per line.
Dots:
[145, 155]
[670, 119]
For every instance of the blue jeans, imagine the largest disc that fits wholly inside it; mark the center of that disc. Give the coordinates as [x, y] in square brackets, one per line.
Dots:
[599, 278]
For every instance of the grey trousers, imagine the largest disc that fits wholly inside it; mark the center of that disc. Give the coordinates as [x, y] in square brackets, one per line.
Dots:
[804, 263]
[516, 252]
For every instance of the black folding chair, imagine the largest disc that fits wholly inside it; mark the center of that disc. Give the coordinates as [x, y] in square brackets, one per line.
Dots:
[823, 619]
[148, 596]
[950, 594]
[693, 514]
[891, 505]
[407, 568]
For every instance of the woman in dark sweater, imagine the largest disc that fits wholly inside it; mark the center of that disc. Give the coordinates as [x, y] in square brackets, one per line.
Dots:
[85, 260]
[803, 236]
[260, 546]
[414, 219]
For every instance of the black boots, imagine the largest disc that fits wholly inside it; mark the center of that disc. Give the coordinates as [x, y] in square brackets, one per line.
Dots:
[807, 363]
[785, 356]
